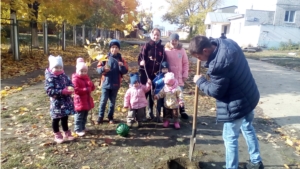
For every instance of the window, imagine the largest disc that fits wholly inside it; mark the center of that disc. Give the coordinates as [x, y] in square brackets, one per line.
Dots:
[289, 16]
[208, 26]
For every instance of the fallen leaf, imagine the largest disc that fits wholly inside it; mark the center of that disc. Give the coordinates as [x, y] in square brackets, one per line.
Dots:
[85, 167]
[204, 123]
[286, 166]
[289, 142]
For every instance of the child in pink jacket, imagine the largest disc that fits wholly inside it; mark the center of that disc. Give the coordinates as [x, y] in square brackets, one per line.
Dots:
[135, 100]
[178, 63]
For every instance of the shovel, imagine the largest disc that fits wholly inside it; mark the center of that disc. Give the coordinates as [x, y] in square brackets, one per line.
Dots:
[193, 137]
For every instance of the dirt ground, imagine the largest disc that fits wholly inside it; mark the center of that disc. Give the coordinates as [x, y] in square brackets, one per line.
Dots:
[27, 138]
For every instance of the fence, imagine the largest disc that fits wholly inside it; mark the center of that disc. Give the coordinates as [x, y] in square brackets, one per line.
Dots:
[24, 37]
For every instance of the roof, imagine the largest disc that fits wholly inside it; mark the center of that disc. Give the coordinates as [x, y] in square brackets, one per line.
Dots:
[216, 17]
[227, 7]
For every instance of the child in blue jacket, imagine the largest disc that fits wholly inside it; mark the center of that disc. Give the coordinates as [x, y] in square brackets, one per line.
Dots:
[158, 84]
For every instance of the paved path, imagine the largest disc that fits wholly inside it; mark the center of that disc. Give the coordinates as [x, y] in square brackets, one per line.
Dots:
[280, 93]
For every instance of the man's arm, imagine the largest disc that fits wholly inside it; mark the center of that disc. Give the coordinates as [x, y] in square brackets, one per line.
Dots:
[215, 87]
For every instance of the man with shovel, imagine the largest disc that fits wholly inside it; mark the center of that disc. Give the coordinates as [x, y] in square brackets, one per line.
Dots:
[231, 83]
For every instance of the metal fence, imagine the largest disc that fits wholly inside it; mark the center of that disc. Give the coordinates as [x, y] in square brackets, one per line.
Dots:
[49, 35]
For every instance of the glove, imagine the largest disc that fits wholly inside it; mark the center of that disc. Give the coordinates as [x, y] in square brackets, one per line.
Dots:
[65, 91]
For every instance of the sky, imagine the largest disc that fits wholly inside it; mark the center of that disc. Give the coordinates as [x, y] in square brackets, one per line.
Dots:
[159, 12]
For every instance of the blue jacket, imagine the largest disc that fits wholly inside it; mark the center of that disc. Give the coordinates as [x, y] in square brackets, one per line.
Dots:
[158, 82]
[230, 81]
[112, 79]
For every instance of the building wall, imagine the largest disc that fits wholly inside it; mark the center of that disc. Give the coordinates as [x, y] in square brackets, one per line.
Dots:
[272, 36]
[257, 17]
[284, 5]
[214, 31]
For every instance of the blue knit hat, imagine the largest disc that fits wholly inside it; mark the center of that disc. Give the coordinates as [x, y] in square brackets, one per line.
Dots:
[174, 36]
[134, 77]
[114, 42]
[164, 65]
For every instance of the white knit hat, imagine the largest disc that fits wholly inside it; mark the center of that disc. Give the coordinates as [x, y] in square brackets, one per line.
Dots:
[55, 61]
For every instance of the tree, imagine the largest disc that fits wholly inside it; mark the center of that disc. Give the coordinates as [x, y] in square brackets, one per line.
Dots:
[189, 13]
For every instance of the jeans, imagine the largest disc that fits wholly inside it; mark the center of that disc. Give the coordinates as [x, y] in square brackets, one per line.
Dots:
[80, 119]
[136, 114]
[110, 94]
[231, 131]
[150, 105]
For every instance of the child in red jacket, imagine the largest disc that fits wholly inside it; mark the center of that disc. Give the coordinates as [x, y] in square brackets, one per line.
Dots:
[83, 101]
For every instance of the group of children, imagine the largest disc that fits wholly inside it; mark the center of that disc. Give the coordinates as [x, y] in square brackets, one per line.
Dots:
[159, 78]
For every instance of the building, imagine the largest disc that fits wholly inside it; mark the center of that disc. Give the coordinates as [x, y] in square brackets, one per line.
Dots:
[250, 25]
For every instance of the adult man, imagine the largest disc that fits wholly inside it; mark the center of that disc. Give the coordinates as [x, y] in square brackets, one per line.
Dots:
[232, 85]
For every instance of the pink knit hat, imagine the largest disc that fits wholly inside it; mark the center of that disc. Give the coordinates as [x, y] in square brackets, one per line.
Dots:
[169, 78]
[80, 65]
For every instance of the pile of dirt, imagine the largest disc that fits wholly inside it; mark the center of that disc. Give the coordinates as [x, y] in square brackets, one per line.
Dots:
[178, 163]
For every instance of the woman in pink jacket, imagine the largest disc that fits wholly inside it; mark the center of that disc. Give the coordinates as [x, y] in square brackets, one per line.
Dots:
[135, 100]
[178, 63]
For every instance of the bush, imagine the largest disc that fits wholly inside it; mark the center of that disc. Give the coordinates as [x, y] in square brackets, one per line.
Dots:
[289, 46]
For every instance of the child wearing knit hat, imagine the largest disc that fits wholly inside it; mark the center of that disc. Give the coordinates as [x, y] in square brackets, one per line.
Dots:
[173, 99]
[111, 72]
[135, 100]
[83, 101]
[59, 88]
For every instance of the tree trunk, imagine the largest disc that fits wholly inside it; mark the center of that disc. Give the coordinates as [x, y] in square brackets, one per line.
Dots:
[33, 24]
[12, 15]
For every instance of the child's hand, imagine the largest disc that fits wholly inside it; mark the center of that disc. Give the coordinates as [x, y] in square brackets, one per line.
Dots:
[66, 91]
[106, 69]
[181, 104]
[142, 63]
[121, 64]
[149, 81]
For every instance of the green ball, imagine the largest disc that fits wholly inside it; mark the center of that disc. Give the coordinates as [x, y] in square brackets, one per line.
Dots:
[122, 129]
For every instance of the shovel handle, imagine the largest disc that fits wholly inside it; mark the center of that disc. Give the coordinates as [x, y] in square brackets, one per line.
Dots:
[196, 99]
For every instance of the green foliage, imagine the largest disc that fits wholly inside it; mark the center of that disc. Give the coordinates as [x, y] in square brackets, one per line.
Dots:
[190, 13]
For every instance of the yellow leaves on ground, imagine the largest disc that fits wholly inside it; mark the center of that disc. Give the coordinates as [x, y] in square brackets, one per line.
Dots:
[9, 90]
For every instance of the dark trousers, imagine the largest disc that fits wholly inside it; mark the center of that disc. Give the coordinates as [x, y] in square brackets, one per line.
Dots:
[160, 104]
[64, 124]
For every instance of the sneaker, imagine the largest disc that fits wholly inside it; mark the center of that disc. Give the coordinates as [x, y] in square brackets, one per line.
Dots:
[166, 123]
[140, 124]
[129, 124]
[58, 138]
[176, 125]
[100, 120]
[259, 165]
[111, 122]
[80, 133]
[68, 135]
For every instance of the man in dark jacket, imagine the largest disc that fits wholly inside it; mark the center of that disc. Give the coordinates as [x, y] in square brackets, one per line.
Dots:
[232, 85]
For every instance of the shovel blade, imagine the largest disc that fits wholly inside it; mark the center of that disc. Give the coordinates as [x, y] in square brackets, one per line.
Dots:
[192, 146]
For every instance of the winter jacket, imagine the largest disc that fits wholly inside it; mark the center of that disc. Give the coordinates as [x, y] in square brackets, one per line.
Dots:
[153, 54]
[158, 83]
[83, 87]
[178, 62]
[230, 81]
[60, 105]
[172, 99]
[135, 97]
[112, 79]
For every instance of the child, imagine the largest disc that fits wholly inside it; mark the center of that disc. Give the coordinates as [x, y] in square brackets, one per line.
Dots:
[178, 64]
[111, 74]
[83, 101]
[135, 100]
[158, 85]
[59, 88]
[150, 59]
[172, 95]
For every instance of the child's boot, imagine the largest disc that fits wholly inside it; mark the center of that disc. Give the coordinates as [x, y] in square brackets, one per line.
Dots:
[68, 135]
[80, 133]
[58, 138]
[166, 123]
[100, 120]
[176, 125]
